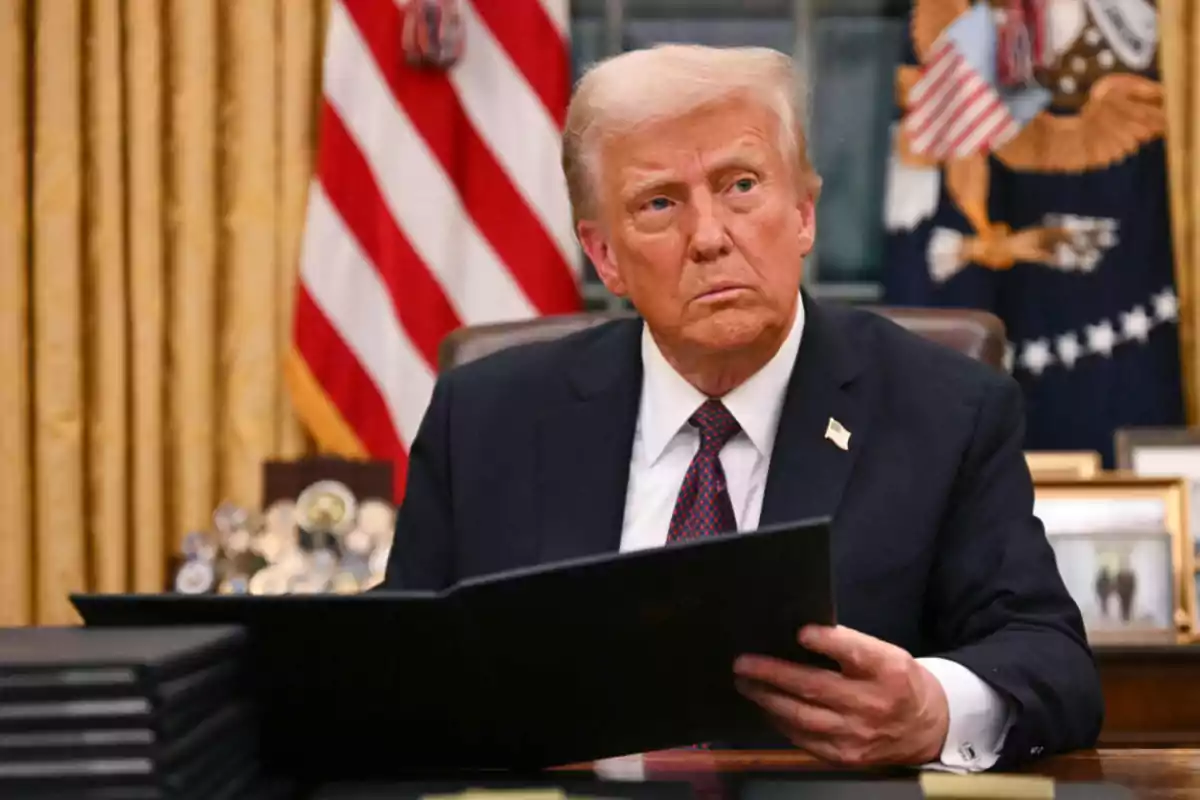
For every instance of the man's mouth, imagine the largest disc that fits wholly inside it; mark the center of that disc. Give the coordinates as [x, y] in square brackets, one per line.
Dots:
[722, 292]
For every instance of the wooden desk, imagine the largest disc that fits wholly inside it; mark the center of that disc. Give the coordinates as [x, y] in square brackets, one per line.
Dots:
[1149, 774]
[1151, 696]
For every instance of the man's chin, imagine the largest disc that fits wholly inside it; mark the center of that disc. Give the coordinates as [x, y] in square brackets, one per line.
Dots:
[728, 329]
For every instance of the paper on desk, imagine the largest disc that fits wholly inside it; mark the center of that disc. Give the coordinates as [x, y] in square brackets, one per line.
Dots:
[947, 786]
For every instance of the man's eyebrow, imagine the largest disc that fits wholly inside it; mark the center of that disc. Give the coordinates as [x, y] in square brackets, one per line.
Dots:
[740, 159]
[650, 180]
[656, 179]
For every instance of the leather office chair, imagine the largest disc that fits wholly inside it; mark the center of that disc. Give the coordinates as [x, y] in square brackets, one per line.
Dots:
[977, 334]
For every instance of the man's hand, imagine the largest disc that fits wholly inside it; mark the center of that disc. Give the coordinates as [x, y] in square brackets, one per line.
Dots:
[883, 708]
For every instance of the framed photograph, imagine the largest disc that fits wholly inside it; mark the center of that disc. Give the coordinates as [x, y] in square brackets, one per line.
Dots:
[1164, 452]
[1122, 548]
[1049, 465]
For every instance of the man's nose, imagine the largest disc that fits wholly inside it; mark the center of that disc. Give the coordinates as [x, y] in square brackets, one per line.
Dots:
[710, 239]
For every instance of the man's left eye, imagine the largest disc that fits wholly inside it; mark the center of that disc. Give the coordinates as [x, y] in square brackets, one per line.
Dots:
[744, 184]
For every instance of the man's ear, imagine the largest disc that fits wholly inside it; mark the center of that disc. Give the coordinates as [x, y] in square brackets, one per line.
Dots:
[808, 224]
[600, 252]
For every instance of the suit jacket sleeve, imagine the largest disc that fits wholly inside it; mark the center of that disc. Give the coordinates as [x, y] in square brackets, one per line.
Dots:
[421, 555]
[997, 604]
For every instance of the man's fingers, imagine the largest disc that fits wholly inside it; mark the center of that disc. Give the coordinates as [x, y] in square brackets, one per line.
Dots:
[798, 716]
[836, 751]
[816, 686]
[858, 653]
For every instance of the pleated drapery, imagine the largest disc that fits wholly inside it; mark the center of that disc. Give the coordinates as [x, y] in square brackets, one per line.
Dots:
[1179, 60]
[154, 166]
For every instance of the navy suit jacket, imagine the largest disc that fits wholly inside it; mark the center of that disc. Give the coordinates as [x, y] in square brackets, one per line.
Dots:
[523, 458]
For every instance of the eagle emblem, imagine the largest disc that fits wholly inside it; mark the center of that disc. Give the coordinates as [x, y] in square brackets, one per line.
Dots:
[1092, 61]
[432, 36]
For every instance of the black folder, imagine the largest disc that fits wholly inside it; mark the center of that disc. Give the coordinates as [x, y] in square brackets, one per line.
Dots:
[70, 663]
[167, 708]
[549, 665]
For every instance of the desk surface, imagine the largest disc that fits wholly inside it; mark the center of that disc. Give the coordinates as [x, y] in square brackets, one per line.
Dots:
[723, 775]
[1149, 774]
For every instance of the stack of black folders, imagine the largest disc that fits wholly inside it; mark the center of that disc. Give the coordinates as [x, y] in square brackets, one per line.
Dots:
[573, 661]
[137, 713]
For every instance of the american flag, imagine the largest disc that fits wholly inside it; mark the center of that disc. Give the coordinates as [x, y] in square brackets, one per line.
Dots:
[1022, 42]
[956, 108]
[437, 201]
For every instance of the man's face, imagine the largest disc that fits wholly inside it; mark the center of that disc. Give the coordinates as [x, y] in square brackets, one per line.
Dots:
[702, 226]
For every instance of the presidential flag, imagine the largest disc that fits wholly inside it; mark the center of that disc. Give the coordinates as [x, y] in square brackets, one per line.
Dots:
[438, 202]
[1057, 220]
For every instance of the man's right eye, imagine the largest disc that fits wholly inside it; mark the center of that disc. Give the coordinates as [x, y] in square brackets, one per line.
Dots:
[658, 204]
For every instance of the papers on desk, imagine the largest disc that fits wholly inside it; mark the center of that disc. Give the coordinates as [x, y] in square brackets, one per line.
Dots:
[946, 786]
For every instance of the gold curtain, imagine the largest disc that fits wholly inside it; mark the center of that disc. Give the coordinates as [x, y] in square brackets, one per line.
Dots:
[154, 165]
[1179, 53]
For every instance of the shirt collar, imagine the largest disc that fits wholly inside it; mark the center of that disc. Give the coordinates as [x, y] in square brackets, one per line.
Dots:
[668, 400]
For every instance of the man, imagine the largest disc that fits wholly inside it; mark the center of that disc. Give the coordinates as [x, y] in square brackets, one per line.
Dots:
[960, 647]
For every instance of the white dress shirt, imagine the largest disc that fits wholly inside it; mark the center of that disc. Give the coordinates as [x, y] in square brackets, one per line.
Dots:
[663, 447]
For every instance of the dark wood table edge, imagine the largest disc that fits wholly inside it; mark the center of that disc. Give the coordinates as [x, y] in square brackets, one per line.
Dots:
[1079, 765]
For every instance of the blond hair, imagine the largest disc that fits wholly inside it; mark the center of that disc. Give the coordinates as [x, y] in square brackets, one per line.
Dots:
[670, 80]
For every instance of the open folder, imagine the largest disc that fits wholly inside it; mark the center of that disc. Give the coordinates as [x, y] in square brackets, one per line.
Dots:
[556, 664]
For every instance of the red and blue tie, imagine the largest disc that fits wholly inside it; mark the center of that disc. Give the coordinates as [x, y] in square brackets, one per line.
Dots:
[703, 507]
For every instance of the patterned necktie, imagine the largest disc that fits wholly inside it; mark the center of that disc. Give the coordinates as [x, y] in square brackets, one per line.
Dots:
[702, 507]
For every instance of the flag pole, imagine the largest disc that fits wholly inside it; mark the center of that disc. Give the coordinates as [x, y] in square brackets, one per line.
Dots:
[614, 26]
[804, 18]
[614, 43]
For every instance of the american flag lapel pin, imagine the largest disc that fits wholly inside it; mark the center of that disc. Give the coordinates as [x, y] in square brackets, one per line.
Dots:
[836, 433]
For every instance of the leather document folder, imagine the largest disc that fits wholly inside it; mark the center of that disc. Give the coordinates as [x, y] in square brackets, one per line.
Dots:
[66, 663]
[556, 664]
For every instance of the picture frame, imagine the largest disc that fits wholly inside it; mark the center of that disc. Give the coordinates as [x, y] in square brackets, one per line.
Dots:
[1163, 452]
[1063, 464]
[1122, 549]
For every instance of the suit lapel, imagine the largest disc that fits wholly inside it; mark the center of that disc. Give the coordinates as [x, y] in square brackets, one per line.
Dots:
[584, 447]
[808, 470]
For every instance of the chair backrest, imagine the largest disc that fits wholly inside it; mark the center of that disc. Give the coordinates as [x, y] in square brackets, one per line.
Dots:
[977, 334]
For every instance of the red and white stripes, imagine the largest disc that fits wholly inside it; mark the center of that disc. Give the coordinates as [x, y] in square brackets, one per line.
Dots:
[438, 201]
[953, 111]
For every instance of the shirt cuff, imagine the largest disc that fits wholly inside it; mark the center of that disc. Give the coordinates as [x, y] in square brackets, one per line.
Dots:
[979, 718]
